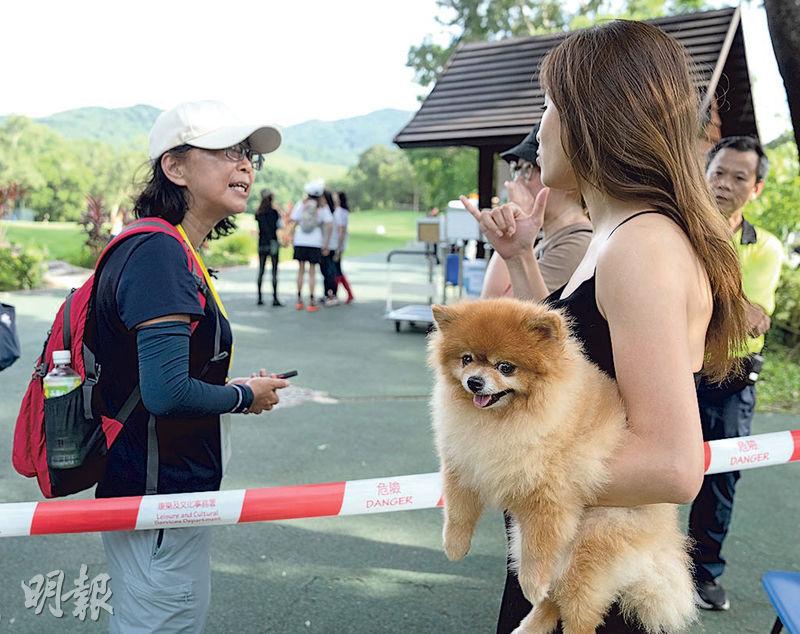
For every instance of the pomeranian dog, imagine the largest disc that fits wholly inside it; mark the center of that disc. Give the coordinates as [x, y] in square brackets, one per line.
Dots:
[524, 422]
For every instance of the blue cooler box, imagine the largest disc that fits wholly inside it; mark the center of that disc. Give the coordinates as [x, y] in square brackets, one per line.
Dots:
[474, 271]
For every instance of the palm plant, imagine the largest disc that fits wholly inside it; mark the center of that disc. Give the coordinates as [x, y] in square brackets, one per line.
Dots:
[96, 220]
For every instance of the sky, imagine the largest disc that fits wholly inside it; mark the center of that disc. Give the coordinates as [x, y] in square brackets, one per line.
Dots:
[276, 61]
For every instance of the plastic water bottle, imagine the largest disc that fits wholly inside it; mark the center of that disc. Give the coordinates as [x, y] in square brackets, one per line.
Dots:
[62, 379]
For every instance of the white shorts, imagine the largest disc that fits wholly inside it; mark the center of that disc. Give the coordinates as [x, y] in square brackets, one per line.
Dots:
[160, 580]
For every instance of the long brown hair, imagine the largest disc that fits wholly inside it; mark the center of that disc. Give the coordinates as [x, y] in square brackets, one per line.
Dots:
[631, 129]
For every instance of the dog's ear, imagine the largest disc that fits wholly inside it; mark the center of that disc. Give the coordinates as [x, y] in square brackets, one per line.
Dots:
[443, 316]
[548, 325]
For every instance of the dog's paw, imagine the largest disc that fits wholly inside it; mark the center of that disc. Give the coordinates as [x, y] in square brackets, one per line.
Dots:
[456, 543]
[534, 587]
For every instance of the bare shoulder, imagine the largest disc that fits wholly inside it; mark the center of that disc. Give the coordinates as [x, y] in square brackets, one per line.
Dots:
[650, 260]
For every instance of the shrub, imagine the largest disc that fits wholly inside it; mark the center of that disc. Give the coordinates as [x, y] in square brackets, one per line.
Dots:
[96, 222]
[20, 268]
[231, 250]
[787, 306]
[85, 258]
[779, 384]
[776, 208]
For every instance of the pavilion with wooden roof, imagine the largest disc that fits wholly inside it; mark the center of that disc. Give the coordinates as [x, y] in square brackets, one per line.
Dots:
[488, 95]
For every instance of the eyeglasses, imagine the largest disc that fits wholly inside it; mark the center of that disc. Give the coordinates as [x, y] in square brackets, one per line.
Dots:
[523, 169]
[243, 150]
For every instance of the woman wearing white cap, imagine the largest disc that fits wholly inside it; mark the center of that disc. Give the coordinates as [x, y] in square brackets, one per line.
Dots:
[156, 338]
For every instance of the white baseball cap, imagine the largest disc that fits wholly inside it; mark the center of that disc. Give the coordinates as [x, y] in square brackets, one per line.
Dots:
[315, 188]
[210, 125]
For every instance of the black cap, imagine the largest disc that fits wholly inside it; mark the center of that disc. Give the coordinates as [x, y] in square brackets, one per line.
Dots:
[526, 149]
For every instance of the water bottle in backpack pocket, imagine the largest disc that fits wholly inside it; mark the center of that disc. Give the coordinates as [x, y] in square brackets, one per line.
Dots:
[62, 379]
[59, 437]
[70, 435]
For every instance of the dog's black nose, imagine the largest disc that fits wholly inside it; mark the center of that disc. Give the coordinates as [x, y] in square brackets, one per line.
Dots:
[475, 383]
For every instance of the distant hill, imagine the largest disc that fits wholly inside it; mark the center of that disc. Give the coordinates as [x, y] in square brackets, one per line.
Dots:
[334, 142]
[342, 141]
[118, 126]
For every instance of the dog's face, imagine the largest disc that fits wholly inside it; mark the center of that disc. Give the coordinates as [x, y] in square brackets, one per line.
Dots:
[502, 352]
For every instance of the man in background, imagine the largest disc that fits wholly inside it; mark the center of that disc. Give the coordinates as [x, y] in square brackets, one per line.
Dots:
[566, 229]
[736, 169]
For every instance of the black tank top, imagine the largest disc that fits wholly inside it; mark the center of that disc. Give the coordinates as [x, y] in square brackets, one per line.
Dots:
[588, 325]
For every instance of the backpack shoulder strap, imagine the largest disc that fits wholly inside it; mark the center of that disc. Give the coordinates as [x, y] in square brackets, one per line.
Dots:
[159, 225]
[138, 227]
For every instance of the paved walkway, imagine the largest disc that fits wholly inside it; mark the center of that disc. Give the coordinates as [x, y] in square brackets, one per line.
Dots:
[359, 411]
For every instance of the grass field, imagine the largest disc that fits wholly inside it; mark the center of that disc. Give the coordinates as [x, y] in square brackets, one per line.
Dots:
[370, 232]
[64, 240]
[400, 228]
[58, 240]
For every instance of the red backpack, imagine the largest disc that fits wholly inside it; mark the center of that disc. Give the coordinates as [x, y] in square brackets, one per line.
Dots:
[75, 424]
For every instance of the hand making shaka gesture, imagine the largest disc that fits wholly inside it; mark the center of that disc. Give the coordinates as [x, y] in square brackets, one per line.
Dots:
[511, 228]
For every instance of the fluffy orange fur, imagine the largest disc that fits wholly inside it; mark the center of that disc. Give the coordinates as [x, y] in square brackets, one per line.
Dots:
[535, 439]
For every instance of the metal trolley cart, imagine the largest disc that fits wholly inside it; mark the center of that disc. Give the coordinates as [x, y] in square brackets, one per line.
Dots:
[413, 314]
[458, 227]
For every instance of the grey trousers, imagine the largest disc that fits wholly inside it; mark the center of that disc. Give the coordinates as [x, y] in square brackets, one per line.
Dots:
[160, 580]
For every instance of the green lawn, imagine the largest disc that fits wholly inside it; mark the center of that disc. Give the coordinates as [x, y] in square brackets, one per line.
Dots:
[58, 240]
[64, 240]
[370, 232]
[400, 228]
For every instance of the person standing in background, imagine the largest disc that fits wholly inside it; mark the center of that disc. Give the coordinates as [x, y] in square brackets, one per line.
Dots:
[566, 228]
[311, 226]
[341, 222]
[736, 169]
[269, 220]
[328, 268]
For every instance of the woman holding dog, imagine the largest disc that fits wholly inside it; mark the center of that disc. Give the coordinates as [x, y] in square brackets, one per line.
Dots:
[657, 298]
[168, 354]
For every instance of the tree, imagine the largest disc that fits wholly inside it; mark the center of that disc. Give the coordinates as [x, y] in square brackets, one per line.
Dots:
[18, 139]
[8, 198]
[776, 208]
[114, 171]
[475, 20]
[57, 175]
[444, 173]
[382, 178]
[286, 185]
[96, 221]
[54, 176]
[783, 18]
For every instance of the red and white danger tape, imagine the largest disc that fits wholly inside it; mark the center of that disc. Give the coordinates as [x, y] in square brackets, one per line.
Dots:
[749, 452]
[355, 497]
